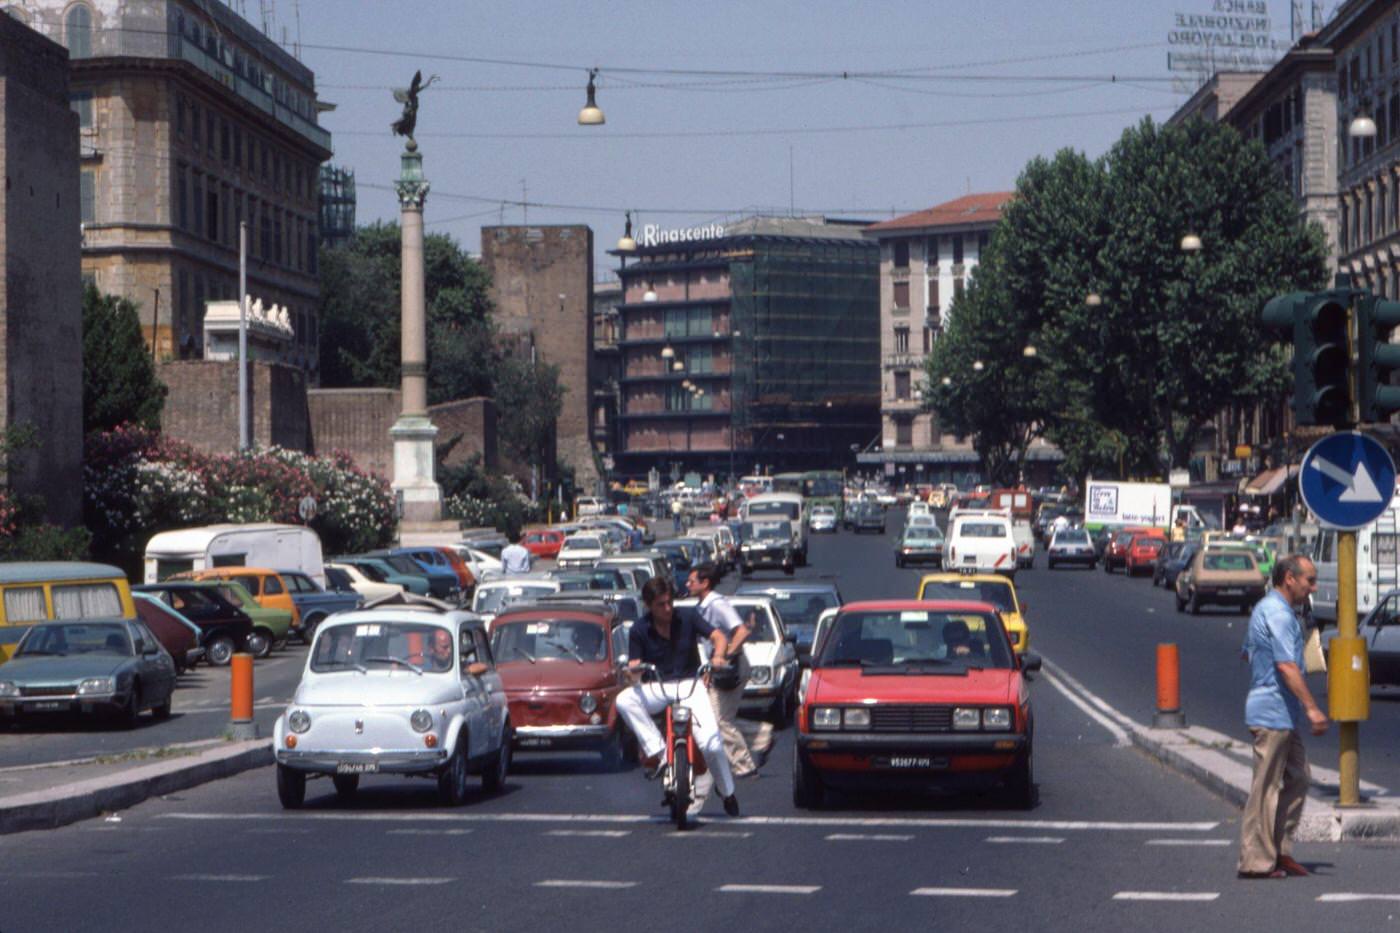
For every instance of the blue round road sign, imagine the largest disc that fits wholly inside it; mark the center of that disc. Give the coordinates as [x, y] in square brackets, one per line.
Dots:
[1347, 480]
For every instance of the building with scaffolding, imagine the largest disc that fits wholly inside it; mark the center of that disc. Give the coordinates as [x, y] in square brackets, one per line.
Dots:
[337, 205]
[748, 347]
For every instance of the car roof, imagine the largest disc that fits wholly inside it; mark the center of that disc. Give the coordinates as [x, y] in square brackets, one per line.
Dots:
[751, 588]
[32, 571]
[400, 614]
[596, 611]
[911, 605]
[974, 577]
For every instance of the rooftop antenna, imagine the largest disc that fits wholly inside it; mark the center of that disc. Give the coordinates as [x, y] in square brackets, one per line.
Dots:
[1295, 24]
[524, 203]
[1317, 17]
[296, 11]
[269, 14]
[792, 209]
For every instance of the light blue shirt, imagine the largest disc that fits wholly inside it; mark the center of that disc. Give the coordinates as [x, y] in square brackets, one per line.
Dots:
[1274, 635]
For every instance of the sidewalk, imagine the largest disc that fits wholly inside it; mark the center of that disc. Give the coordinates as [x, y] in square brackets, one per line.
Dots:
[56, 794]
[1225, 765]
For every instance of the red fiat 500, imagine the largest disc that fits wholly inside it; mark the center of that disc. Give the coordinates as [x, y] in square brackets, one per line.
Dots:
[1143, 551]
[562, 669]
[543, 544]
[915, 695]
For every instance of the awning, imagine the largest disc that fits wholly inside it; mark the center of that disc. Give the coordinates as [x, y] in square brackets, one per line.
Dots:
[1270, 481]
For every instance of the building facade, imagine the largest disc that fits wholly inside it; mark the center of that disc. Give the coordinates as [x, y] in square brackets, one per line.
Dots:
[748, 347]
[542, 287]
[191, 122]
[607, 370]
[41, 323]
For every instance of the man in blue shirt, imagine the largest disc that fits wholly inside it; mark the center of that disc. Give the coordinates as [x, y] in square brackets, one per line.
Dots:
[1278, 702]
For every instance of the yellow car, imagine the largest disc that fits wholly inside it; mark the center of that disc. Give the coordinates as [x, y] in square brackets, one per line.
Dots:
[982, 587]
[635, 487]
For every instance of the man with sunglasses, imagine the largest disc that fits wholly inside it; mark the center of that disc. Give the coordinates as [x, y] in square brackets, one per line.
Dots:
[1278, 703]
[667, 638]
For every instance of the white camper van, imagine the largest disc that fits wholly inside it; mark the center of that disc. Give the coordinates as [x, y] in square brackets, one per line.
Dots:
[265, 544]
[1377, 564]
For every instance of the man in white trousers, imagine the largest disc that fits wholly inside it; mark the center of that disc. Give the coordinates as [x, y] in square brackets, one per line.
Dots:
[717, 611]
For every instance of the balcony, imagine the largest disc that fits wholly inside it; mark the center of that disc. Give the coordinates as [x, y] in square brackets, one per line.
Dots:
[253, 94]
[904, 360]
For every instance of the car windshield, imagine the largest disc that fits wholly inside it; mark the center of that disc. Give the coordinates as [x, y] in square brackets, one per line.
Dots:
[108, 638]
[971, 591]
[582, 543]
[824, 510]
[1123, 538]
[496, 598]
[762, 631]
[905, 637]
[1072, 537]
[417, 646]
[1151, 544]
[801, 608]
[371, 571]
[596, 579]
[765, 531]
[549, 640]
[1228, 560]
[982, 530]
[406, 565]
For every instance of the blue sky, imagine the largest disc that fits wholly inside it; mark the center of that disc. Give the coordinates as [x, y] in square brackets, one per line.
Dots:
[855, 147]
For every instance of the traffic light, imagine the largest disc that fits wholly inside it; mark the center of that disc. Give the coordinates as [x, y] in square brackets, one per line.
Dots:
[1321, 380]
[1376, 357]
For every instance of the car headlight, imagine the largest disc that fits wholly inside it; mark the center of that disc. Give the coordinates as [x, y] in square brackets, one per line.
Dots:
[996, 718]
[421, 720]
[760, 674]
[857, 718]
[588, 702]
[967, 717]
[298, 721]
[826, 717]
[97, 685]
[8, 689]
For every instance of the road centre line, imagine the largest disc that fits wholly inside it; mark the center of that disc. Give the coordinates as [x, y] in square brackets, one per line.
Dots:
[1166, 895]
[769, 888]
[1026, 840]
[710, 834]
[1344, 897]
[868, 837]
[1108, 709]
[220, 878]
[748, 821]
[1120, 736]
[604, 833]
[963, 892]
[399, 881]
[428, 832]
[1188, 842]
[564, 883]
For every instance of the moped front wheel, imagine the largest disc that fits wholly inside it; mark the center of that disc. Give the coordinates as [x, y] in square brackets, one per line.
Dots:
[680, 780]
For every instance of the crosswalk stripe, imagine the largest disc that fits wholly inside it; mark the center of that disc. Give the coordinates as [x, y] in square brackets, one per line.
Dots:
[769, 888]
[963, 892]
[1188, 842]
[1027, 840]
[1166, 895]
[399, 881]
[604, 833]
[199, 877]
[428, 832]
[565, 883]
[868, 837]
[1345, 897]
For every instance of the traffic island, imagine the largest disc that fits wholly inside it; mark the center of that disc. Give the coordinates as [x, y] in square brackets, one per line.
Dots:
[57, 795]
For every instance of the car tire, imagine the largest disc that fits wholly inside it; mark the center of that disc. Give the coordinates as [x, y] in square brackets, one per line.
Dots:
[899, 562]
[308, 628]
[452, 779]
[1049, 564]
[260, 643]
[1020, 783]
[1180, 603]
[493, 776]
[219, 651]
[613, 754]
[1106, 567]
[161, 711]
[789, 569]
[1193, 604]
[346, 785]
[807, 790]
[131, 709]
[291, 787]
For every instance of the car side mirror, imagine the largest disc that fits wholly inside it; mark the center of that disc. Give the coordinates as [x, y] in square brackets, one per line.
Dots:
[1030, 662]
[477, 668]
[790, 638]
[140, 645]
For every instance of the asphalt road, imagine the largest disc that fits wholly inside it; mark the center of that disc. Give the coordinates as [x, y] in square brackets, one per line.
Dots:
[1116, 841]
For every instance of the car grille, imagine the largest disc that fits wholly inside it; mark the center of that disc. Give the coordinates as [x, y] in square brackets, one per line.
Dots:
[911, 718]
[59, 691]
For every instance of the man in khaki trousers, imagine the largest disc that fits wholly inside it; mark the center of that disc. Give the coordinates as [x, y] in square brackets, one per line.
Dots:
[716, 610]
[1278, 701]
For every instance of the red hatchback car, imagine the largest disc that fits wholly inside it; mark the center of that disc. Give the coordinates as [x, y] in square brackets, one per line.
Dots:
[911, 695]
[1142, 554]
[562, 668]
[544, 544]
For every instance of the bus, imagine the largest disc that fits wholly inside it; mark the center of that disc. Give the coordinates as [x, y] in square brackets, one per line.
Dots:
[817, 487]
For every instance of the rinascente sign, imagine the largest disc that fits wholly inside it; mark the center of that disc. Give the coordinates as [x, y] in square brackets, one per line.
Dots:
[652, 235]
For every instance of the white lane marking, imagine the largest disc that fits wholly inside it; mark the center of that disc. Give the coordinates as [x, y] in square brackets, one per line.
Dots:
[1166, 895]
[428, 832]
[200, 877]
[638, 819]
[868, 837]
[1120, 736]
[963, 892]
[51, 874]
[1344, 897]
[769, 888]
[603, 833]
[1189, 842]
[1027, 840]
[567, 883]
[710, 834]
[399, 881]
[270, 830]
[1108, 709]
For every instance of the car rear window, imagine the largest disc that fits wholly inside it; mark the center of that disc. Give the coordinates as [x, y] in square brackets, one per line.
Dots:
[971, 591]
[982, 530]
[1228, 561]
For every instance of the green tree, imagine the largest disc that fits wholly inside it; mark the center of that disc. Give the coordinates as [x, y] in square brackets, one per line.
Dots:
[119, 379]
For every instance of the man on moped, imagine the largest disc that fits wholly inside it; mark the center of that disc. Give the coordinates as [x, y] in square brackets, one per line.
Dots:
[666, 638]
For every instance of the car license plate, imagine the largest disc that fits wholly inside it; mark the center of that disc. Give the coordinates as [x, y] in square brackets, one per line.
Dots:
[357, 767]
[911, 762]
[532, 743]
[48, 706]
[1233, 591]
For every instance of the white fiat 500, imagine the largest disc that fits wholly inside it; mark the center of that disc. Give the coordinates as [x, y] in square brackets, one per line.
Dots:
[396, 691]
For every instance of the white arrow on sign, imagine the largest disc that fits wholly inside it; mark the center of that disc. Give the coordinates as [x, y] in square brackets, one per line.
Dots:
[1359, 485]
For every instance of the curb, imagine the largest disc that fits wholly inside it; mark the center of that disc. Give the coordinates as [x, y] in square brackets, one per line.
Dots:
[82, 800]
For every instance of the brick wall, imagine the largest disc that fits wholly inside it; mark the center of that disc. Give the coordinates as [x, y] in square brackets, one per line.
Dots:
[202, 407]
[356, 421]
[41, 367]
[466, 428]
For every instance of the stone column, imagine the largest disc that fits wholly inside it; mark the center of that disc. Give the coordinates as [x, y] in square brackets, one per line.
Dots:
[413, 433]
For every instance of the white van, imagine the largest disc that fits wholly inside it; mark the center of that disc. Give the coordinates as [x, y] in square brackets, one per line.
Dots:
[781, 505]
[264, 544]
[1377, 564]
[980, 541]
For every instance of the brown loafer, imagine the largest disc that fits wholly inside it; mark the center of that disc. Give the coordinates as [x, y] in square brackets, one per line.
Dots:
[1256, 875]
[1290, 865]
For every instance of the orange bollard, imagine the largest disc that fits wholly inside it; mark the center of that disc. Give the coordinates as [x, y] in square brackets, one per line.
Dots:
[1168, 715]
[241, 697]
